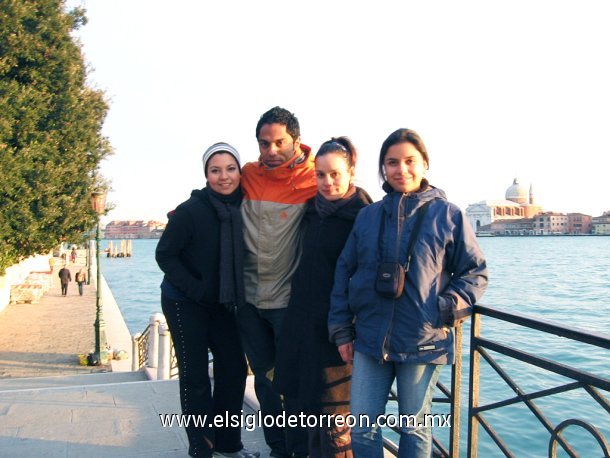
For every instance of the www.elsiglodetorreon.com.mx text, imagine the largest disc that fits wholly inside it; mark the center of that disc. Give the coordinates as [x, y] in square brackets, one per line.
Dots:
[256, 420]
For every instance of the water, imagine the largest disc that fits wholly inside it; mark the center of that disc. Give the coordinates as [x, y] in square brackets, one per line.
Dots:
[134, 282]
[561, 279]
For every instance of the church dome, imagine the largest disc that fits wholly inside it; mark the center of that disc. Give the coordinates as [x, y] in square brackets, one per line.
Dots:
[517, 193]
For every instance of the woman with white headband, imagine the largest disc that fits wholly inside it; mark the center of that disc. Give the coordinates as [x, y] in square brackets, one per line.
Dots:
[200, 253]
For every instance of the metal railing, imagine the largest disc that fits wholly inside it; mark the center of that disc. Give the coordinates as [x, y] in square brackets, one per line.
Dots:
[153, 349]
[580, 380]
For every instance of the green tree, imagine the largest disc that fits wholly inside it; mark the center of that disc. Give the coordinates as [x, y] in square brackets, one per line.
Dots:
[51, 144]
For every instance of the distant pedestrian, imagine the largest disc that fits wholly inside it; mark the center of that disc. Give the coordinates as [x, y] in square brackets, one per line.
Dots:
[80, 278]
[73, 255]
[65, 277]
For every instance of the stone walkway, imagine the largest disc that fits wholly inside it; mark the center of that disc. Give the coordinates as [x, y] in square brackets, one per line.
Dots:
[51, 406]
[99, 419]
[45, 338]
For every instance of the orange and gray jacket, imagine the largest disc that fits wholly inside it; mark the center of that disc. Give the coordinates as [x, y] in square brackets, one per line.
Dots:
[273, 206]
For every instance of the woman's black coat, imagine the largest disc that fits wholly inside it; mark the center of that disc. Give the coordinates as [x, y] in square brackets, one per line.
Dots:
[304, 349]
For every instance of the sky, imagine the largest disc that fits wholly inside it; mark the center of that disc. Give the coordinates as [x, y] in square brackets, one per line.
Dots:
[497, 90]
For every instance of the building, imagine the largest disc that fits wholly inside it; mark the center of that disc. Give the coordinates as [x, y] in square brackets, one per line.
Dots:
[579, 223]
[134, 230]
[521, 226]
[600, 225]
[518, 203]
[550, 223]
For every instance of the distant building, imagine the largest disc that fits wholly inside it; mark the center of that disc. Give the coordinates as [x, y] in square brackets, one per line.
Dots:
[579, 223]
[522, 226]
[134, 230]
[518, 203]
[518, 214]
[600, 225]
[550, 223]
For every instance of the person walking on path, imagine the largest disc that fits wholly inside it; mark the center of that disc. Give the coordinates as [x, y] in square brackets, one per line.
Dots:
[80, 278]
[410, 272]
[65, 277]
[309, 367]
[201, 254]
[276, 190]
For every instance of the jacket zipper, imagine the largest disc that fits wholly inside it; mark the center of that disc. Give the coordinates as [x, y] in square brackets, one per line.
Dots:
[385, 351]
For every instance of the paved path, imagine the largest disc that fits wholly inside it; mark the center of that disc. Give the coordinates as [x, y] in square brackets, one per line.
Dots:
[100, 419]
[45, 338]
[50, 406]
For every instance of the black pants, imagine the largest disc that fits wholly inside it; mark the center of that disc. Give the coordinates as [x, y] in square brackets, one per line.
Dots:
[195, 328]
[64, 289]
[260, 331]
[80, 287]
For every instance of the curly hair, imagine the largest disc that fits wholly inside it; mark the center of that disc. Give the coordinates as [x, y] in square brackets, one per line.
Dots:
[278, 115]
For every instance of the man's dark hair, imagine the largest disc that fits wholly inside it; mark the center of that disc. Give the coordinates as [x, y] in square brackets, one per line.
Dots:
[281, 116]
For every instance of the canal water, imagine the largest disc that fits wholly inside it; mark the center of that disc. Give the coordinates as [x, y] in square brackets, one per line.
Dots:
[563, 279]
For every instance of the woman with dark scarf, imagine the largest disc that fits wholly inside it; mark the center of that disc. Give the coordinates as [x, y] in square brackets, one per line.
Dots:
[308, 367]
[201, 253]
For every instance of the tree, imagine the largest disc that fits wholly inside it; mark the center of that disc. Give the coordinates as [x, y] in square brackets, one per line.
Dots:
[51, 144]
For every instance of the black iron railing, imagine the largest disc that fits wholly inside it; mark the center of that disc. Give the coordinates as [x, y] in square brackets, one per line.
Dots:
[593, 386]
[586, 382]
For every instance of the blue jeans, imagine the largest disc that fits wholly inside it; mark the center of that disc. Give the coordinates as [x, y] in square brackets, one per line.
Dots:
[371, 383]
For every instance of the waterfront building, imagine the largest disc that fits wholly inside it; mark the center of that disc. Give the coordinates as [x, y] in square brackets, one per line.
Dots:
[600, 225]
[518, 203]
[133, 229]
[521, 226]
[551, 223]
[579, 223]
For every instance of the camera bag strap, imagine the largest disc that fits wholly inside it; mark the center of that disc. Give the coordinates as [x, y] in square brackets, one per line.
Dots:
[421, 211]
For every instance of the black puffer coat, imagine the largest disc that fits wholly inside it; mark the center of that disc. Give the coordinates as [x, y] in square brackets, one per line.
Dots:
[304, 349]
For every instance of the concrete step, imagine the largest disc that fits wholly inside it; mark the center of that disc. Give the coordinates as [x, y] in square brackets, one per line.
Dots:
[99, 421]
[63, 381]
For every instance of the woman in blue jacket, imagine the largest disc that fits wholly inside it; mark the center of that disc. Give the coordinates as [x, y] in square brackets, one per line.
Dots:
[403, 333]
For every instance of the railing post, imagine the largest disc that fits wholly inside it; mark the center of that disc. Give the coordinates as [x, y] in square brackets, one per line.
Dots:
[164, 353]
[456, 385]
[135, 352]
[153, 338]
[475, 363]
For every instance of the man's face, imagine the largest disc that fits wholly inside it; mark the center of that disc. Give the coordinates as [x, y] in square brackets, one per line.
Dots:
[276, 145]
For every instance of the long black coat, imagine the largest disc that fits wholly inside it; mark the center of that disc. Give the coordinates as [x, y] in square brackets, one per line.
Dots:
[304, 349]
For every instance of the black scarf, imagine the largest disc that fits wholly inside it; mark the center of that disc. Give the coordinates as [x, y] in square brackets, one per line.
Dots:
[231, 291]
[327, 208]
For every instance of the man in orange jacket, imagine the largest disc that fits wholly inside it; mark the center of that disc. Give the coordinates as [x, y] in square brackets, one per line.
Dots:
[276, 189]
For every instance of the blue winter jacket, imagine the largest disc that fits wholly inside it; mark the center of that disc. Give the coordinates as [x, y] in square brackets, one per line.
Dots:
[447, 275]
